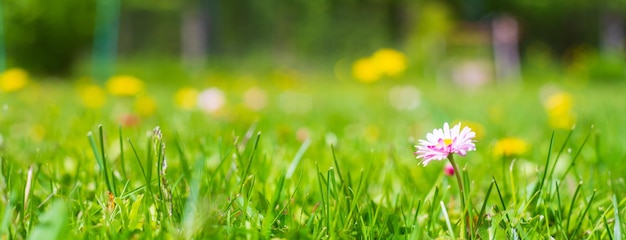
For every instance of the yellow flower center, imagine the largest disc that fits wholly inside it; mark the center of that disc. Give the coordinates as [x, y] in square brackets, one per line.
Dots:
[447, 141]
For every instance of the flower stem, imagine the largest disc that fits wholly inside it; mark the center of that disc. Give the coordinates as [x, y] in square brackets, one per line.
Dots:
[457, 173]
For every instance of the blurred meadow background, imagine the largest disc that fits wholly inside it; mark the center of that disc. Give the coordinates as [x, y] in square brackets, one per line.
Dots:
[211, 119]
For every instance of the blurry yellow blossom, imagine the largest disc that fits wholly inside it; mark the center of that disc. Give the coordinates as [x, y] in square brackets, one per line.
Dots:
[186, 98]
[390, 62]
[37, 132]
[562, 121]
[92, 96]
[145, 105]
[384, 62]
[559, 107]
[365, 70]
[124, 85]
[13, 79]
[510, 146]
[559, 103]
[476, 127]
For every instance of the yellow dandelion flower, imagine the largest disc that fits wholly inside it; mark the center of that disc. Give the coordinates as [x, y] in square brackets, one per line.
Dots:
[186, 98]
[476, 127]
[92, 96]
[390, 62]
[510, 146]
[124, 85]
[559, 108]
[13, 79]
[145, 105]
[559, 103]
[565, 120]
[366, 70]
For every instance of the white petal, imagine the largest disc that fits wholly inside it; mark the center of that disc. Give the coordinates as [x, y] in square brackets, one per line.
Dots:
[432, 138]
[446, 131]
[455, 130]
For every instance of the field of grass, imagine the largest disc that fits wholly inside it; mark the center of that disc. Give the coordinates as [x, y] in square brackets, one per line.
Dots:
[323, 157]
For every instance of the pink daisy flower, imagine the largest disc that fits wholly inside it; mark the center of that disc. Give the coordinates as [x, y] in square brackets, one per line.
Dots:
[443, 142]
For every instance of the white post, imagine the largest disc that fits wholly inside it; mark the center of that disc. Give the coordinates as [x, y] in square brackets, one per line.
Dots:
[505, 35]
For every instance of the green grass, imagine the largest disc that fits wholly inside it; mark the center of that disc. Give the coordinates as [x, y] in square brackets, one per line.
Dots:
[67, 171]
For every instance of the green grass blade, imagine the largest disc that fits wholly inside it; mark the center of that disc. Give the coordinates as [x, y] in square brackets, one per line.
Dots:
[617, 227]
[558, 154]
[183, 159]
[576, 156]
[582, 216]
[6, 219]
[571, 206]
[111, 179]
[417, 210]
[607, 228]
[100, 159]
[149, 158]
[320, 181]
[143, 171]
[431, 220]
[501, 198]
[332, 149]
[447, 218]
[122, 159]
[191, 204]
[296, 159]
[328, 196]
[546, 166]
[52, 223]
[483, 208]
[247, 169]
[278, 192]
[97, 155]
[469, 208]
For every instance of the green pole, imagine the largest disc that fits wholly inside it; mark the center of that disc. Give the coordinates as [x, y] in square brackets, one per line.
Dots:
[3, 61]
[105, 39]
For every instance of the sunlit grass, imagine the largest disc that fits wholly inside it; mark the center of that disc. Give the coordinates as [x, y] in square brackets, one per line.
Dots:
[319, 159]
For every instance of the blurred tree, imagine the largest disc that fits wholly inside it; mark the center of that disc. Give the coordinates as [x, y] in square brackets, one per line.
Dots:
[150, 27]
[313, 28]
[2, 48]
[47, 36]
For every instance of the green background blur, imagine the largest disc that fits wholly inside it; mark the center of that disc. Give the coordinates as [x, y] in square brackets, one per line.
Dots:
[57, 37]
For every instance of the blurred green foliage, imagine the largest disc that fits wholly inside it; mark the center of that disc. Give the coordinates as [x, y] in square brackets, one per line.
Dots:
[49, 37]
[310, 27]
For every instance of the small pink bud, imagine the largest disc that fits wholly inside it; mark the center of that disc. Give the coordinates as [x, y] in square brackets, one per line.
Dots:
[129, 120]
[448, 170]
